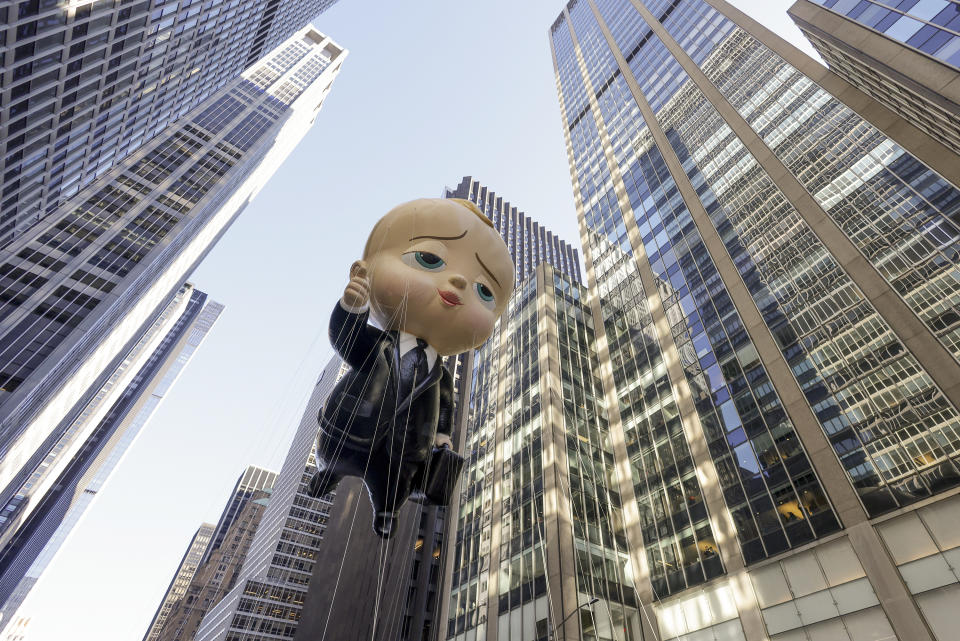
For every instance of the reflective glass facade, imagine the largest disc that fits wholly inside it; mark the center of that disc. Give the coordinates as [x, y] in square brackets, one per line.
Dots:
[42, 513]
[80, 286]
[252, 480]
[540, 490]
[930, 26]
[909, 78]
[769, 487]
[893, 430]
[87, 83]
[674, 520]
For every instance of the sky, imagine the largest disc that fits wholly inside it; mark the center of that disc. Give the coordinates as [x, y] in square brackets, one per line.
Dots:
[431, 91]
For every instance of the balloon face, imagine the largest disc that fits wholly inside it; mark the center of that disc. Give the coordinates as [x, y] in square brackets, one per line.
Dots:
[439, 272]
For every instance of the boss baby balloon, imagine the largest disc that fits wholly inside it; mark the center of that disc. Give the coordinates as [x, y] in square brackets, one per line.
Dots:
[434, 278]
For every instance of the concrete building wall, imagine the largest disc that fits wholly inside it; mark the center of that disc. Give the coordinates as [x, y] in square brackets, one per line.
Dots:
[918, 86]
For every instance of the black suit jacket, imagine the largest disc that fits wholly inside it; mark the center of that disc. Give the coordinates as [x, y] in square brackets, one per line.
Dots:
[364, 409]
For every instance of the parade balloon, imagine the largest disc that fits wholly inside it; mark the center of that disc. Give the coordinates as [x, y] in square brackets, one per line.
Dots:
[434, 278]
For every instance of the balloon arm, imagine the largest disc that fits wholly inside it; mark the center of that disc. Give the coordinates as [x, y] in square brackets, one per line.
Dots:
[352, 337]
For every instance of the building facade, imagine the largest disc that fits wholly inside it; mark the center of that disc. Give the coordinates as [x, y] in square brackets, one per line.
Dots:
[77, 290]
[906, 55]
[182, 579]
[540, 547]
[776, 281]
[86, 83]
[253, 480]
[267, 598]
[42, 512]
[216, 575]
[529, 242]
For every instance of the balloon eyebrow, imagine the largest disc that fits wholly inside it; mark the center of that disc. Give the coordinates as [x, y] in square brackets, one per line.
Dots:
[487, 269]
[440, 237]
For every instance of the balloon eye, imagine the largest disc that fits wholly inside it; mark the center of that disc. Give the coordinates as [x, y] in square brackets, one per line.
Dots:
[428, 260]
[484, 292]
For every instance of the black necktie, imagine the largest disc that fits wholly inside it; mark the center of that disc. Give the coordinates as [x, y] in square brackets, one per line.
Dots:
[413, 368]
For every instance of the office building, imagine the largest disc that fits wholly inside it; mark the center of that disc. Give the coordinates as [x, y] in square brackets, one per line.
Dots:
[78, 288]
[776, 278]
[267, 598]
[181, 580]
[529, 242]
[85, 83]
[43, 510]
[252, 480]
[236, 525]
[906, 55]
[500, 428]
[539, 530]
[216, 575]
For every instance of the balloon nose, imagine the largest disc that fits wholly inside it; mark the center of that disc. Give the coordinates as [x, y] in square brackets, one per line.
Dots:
[458, 281]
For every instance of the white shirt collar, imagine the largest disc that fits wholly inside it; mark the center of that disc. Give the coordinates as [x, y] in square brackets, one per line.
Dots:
[409, 341]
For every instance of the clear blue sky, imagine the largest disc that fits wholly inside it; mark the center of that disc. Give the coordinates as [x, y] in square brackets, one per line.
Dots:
[432, 90]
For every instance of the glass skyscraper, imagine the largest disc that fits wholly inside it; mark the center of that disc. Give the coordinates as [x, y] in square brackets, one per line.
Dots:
[85, 83]
[930, 26]
[540, 529]
[182, 609]
[906, 55]
[267, 597]
[182, 578]
[36, 520]
[80, 286]
[252, 480]
[777, 279]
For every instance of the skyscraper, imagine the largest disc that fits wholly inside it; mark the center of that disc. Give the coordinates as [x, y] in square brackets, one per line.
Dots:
[529, 242]
[46, 506]
[178, 618]
[182, 578]
[906, 55]
[540, 533]
[237, 524]
[268, 595]
[78, 289]
[250, 482]
[776, 276]
[86, 83]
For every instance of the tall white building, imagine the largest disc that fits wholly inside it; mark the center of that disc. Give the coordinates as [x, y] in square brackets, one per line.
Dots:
[267, 599]
[187, 569]
[83, 84]
[58, 491]
[80, 287]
